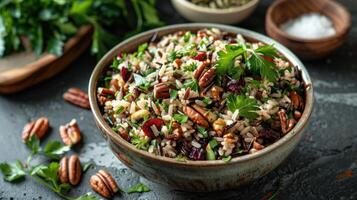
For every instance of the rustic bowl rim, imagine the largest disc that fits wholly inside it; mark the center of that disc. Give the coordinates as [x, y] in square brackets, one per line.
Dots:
[97, 72]
[274, 26]
[224, 11]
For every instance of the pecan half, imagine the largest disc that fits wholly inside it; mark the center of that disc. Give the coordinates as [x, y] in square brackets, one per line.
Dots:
[38, 127]
[197, 73]
[70, 170]
[210, 116]
[207, 78]
[161, 91]
[219, 126]
[104, 184]
[77, 97]
[70, 133]
[195, 116]
[286, 125]
[297, 101]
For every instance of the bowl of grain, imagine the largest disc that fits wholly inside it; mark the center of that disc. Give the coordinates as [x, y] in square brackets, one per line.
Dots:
[217, 11]
[312, 29]
[201, 107]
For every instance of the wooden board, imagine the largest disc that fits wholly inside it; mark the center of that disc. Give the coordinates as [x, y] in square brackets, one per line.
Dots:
[22, 70]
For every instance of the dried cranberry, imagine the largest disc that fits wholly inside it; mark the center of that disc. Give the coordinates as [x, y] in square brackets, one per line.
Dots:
[235, 86]
[197, 154]
[120, 55]
[269, 135]
[147, 126]
[202, 56]
[125, 74]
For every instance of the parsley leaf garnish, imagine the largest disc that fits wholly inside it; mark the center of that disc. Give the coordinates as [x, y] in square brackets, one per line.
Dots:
[202, 131]
[246, 106]
[12, 172]
[258, 64]
[140, 143]
[138, 188]
[55, 149]
[226, 59]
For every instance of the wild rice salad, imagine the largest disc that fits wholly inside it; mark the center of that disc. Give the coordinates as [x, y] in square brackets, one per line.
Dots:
[205, 95]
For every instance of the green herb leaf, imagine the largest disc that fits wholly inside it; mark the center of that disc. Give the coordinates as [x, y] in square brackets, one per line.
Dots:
[213, 143]
[265, 68]
[227, 159]
[55, 150]
[173, 94]
[192, 84]
[267, 50]
[181, 158]
[180, 118]
[142, 48]
[207, 100]
[190, 67]
[12, 172]
[139, 142]
[34, 144]
[246, 106]
[226, 59]
[86, 166]
[88, 196]
[138, 188]
[187, 36]
[210, 155]
[203, 131]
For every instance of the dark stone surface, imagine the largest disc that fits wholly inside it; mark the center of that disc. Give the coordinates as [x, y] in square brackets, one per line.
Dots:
[328, 149]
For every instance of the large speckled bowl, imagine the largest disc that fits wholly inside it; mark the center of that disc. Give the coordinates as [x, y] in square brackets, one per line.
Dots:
[199, 175]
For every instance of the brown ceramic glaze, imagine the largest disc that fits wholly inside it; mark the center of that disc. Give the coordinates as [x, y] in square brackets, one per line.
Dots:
[22, 70]
[284, 10]
[198, 175]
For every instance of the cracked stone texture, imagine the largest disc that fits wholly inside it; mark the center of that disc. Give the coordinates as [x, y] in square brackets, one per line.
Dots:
[328, 148]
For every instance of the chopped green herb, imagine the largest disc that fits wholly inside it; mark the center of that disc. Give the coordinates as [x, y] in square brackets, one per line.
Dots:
[207, 100]
[227, 159]
[246, 106]
[149, 71]
[210, 155]
[202, 131]
[138, 188]
[213, 143]
[187, 36]
[190, 67]
[266, 69]
[181, 158]
[119, 110]
[142, 48]
[173, 94]
[86, 166]
[139, 142]
[173, 55]
[181, 118]
[192, 84]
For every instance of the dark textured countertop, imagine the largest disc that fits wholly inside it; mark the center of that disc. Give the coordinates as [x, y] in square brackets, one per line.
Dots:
[315, 169]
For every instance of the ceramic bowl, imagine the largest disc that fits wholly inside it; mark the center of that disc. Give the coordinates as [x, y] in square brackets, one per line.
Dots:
[197, 13]
[198, 175]
[308, 49]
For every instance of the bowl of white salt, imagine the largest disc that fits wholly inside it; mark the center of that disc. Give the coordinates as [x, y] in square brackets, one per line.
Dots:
[312, 29]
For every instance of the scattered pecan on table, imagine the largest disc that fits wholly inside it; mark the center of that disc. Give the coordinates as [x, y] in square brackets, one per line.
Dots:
[70, 170]
[77, 97]
[104, 184]
[37, 127]
[70, 133]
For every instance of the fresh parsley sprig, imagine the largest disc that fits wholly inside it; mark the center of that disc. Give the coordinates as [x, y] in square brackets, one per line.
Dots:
[138, 188]
[46, 175]
[247, 107]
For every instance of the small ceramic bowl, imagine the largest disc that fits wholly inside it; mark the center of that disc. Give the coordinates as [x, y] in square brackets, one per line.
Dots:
[198, 175]
[197, 13]
[308, 49]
